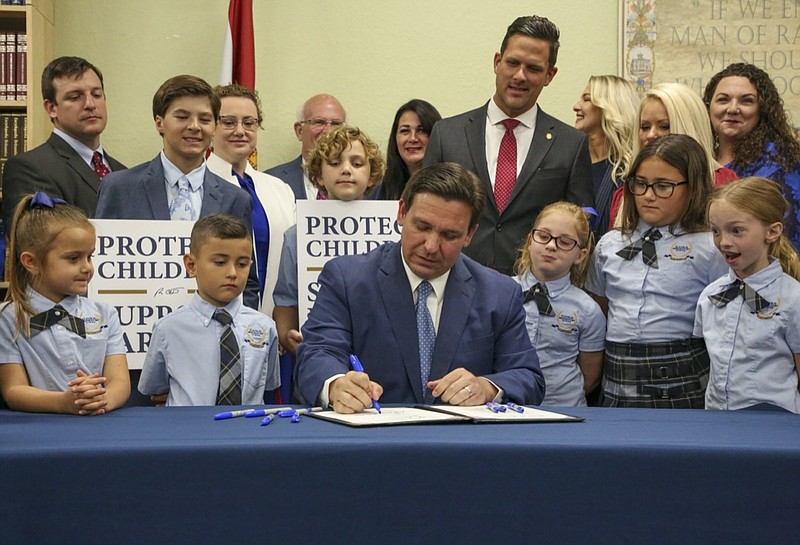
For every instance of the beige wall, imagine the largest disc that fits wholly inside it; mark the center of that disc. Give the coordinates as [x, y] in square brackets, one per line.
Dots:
[373, 55]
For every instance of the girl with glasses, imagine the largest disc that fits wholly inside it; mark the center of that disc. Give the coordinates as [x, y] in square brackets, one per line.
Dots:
[564, 324]
[648, 275]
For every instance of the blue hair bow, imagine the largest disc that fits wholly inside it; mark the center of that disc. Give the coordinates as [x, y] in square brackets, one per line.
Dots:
[591, 215]
[42, 199]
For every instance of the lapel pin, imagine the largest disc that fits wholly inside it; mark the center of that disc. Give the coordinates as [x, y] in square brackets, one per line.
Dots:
[549, 136]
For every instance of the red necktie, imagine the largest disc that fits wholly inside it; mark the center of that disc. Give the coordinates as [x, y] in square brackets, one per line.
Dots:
[506, 174]
[99, 166]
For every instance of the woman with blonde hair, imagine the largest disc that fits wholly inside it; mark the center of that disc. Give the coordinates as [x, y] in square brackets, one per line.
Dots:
[673, 108]
[606, 113]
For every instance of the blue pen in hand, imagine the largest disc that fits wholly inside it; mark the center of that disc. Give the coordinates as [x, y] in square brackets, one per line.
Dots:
[358, 368]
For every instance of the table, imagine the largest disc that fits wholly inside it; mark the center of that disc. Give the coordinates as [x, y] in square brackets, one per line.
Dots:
[174, 475]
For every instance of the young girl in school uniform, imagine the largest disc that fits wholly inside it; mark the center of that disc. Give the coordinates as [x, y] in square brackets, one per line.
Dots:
[648, 276]
[564, 324]
[750, 318]
[59, 352]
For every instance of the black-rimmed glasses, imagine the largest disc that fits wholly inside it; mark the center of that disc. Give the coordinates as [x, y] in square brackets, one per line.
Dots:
[662, 189]
[562, 243]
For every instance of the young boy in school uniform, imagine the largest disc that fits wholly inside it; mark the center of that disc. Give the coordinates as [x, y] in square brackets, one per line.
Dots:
[214, 350]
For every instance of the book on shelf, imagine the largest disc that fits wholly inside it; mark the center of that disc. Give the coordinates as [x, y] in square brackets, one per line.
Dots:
[13, 65]
[13, 132]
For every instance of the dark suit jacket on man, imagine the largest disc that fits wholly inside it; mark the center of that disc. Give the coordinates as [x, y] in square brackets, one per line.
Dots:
[558, 167]
[140, 193]
[292, 174]
[55, 168]
[365, 307]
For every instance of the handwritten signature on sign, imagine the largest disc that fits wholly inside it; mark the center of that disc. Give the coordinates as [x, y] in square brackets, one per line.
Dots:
[169, 291]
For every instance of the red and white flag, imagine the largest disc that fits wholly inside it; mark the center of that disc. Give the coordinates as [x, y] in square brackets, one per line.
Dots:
[238, 53]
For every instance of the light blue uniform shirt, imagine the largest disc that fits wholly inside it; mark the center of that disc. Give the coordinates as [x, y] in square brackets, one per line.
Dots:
[285, 293]
[752, 354]
[653, 305]
[184, 354]
[578, 326]
[53, 356]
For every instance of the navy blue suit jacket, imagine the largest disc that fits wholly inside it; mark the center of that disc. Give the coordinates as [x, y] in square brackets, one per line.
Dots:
[292, 174]
[365, 307]
[140, 193]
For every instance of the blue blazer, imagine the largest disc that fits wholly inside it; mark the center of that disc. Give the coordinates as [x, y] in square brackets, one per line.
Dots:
[140, 193]
[365, 307]
[292, 174]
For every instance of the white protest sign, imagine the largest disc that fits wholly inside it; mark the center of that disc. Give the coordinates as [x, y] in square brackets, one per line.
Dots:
[139, 271]
[328, 229]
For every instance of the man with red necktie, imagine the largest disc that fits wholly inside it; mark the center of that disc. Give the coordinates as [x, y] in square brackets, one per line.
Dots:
[525, 158]
[71, 163]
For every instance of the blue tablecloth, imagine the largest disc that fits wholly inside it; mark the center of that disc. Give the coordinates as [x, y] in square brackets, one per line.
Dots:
[174, 475]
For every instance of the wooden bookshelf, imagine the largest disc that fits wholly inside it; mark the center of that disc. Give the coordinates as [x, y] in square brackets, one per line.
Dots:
[36, 19]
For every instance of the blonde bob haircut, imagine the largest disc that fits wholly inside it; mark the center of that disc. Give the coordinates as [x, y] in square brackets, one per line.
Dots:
[687, 115]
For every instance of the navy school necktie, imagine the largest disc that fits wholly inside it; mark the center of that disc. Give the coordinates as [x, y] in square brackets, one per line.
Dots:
[56, 315]
[750, 296]
[646, 245]
[539, 295]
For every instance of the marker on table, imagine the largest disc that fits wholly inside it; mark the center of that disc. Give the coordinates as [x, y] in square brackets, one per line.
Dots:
[292, 413]
[267, 419]
[233, 414]
[264, 412]
[358, 368]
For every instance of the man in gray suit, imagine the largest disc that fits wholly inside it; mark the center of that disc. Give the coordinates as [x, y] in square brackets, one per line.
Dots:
[69, 164]
[525, 158]
[318, 115]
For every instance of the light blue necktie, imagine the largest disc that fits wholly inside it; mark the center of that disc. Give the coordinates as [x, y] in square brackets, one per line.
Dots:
[181, 208]
[425, 331]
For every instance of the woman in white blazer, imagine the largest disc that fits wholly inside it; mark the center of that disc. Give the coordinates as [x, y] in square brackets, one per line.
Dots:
[235, 139]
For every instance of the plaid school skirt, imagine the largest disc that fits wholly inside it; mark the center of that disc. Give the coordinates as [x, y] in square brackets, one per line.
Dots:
[667, 375]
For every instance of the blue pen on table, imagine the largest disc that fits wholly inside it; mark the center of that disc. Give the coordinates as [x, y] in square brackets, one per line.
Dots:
[267, 419]
[232, 414]
[357, 367]
[515, 407]
[264, 412]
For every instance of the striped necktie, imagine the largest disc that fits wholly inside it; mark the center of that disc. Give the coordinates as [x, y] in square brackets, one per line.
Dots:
[230, 366]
